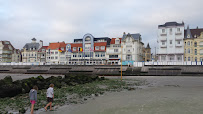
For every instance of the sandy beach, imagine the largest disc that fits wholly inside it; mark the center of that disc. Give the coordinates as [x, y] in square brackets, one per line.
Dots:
[163, 95]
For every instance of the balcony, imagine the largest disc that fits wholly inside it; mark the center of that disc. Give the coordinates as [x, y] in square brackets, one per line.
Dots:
[112, 53]
[178, 45]
[179, 38]
[163, 46]
[163, 34]
[178, 33]
[163, 39]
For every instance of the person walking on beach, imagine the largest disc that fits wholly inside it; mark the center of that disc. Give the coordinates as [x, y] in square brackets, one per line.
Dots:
[50, 96]
[33, 97]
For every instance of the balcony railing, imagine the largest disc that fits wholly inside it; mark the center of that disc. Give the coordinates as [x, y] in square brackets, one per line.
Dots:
[163, 39]
[163, 46]
[178, 38]
[163, 34]
[178, 33]
[178, 45]
[110, 53]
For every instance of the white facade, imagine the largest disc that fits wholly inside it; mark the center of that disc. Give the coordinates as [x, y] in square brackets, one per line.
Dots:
[170, 42]
[132, 48]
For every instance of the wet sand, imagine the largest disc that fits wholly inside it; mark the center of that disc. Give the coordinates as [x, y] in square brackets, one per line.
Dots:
[163, 95]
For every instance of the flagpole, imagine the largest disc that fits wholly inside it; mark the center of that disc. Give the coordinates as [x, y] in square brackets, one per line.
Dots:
[121, 62]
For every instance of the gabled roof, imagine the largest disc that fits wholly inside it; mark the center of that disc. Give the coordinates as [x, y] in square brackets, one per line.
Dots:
[113, 40]
[134, 36]
[31, 45]
[56, 45]
[188, 32]
[43, 47]
[148, 47]
[193, 32]
[6, 45]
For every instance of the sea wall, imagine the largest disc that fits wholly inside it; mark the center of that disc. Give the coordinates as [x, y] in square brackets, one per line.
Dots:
[63, 69]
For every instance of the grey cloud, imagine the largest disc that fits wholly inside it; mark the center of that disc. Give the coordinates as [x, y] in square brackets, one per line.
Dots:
[65, 20]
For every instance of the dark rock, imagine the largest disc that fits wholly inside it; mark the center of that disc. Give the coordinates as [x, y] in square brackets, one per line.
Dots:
[10, 90]
[8, 80]
[22, 111]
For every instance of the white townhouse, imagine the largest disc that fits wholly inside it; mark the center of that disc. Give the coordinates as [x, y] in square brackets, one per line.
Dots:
[132, 48]
[170, 42]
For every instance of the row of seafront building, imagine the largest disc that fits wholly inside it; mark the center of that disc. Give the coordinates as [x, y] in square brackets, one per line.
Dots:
[87, 50]
[175, 44]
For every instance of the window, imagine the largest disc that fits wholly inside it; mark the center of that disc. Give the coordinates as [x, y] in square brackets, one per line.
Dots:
[97, 48]
[195, 58]
[178, 42]
[200, 58]
[56, 52]
[188, 43]
[188, 51]
[74, 48]
[115, 50]
[195, 51]
[74, 55]
[171, 30]
[171, 58]
[113, 56]
[56, 57]
[52, 52]
[179, 58]
[102, 47]
[170, 41]
[188, 58]
[195, 44]
[52, 57]
[163, 30]
[185, 43]
[163, 43]
[117, 41]
[102, 54]
[178, 29]
[43, 50]
[96, 54]
[128, 57]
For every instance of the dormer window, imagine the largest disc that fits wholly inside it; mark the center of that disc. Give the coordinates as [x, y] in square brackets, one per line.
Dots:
[117, 41]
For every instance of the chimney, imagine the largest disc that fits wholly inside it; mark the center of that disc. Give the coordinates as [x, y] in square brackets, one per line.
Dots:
[197, 27]
[34, 40]
[40, 44]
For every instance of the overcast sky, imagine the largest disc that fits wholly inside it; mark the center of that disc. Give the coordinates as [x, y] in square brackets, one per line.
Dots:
[65, 20]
